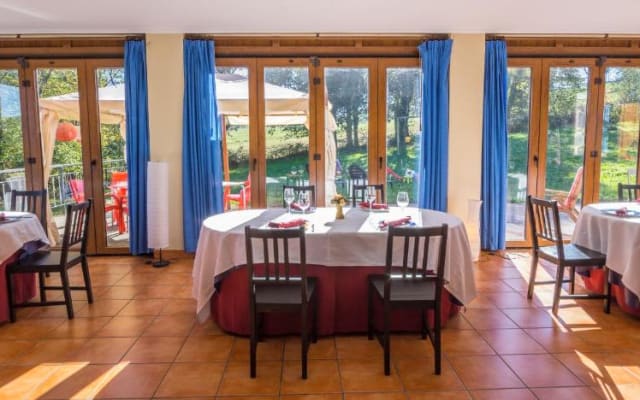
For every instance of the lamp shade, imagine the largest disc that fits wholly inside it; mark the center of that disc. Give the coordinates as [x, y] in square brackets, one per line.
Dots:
[157, 204]
[66, 132]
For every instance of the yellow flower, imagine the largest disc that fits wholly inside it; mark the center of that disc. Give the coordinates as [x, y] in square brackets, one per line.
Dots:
[338, 199]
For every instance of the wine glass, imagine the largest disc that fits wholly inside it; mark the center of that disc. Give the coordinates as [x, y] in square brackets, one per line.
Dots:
[371, 196]
[402, 199]
[289, 196]
[304, 200]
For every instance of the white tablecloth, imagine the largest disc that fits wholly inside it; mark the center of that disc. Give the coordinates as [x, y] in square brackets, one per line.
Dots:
[353, 241]
[617, 237]
[21, 228]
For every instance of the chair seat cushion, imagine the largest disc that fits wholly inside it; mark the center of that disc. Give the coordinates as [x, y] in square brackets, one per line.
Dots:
[282, 294]
[406, 290]
[574, 255]
[45, 259]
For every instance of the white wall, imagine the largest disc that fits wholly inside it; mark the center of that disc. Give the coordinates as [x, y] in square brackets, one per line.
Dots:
[465, 121]
[165, 81]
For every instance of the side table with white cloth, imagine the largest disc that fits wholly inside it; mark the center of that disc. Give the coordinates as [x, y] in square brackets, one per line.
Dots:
[614, 229]
[339, 252]
[20, 232]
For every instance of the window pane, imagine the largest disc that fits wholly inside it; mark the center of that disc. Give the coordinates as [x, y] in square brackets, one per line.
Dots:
[232, 90]
[404, 104]
[12, 175]
[621, 116]
[348, 93]
[286, 96]
[568, 91]
[518, 114]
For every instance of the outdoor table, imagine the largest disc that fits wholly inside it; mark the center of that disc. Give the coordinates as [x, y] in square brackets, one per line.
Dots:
[618, 237]
[19, 233]
[340, 253]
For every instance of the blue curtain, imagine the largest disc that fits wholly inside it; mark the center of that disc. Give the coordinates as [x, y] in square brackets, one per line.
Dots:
[135, 83]
[494, 147]
[201, 141]
[434, 147]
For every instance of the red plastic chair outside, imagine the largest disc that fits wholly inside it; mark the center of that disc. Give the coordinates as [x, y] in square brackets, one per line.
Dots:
[77, 192]
[119, 181]
[567, 204]
[242, 199]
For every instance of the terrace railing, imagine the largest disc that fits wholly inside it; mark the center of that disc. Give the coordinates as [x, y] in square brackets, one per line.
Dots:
[58, 186]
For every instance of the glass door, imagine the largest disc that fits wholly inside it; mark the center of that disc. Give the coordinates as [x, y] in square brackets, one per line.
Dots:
[619, 126]
[284, 102]
[400, 125]
[567, 122]
[109, 177]
[62, 126]
[14, 172]
[80, 124]
[350, 141]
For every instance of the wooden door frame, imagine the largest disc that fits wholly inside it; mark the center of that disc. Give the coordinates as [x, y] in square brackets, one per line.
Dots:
[533, 150]
[95, 153]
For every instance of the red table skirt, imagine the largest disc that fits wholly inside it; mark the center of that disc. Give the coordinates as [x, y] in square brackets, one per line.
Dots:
[594, 281]
[24, 287]
[342, 305]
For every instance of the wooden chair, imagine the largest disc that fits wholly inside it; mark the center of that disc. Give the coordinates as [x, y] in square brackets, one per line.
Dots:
[544, 217]
[628, 192]
[412, 285]
[75, 232]
[359, 193]
[274, 287]
[297, 189]
[33, 201]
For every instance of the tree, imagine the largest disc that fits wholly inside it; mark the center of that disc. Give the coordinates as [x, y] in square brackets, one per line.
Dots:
[348, 94]
[402, 84]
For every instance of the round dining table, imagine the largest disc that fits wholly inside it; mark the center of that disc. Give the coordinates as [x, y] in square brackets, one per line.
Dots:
[613, 229]
[20, 233]
[339, 252]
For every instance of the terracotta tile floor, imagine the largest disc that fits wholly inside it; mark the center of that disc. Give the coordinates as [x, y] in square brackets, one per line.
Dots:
[139, 340]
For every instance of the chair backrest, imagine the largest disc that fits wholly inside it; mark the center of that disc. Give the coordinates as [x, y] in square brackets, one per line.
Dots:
[77, 190]
[276, 257]
[419, 245]
[118, 177]
[628, 192]
[544, 218]
[359, 193]
[75, 228]
[33, 201]
[297, 189]
[357, 175]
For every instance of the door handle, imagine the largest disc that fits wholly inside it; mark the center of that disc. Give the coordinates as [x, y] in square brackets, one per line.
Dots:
[535, 160]
[593, 153]
[255, 163]
[94, 163]
[380, 161]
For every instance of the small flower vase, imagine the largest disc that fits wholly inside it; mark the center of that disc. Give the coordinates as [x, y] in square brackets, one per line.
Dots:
[339, 213]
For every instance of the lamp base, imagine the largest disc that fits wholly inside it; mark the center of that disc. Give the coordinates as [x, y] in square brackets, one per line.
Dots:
[160, 263]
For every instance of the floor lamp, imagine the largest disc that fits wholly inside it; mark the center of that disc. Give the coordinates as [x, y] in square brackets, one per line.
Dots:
[158, 209]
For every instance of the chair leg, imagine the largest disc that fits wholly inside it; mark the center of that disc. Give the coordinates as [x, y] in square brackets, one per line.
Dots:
[572, 283]
[42, 283]
[304, 336]
[557, 288]
[532, 274]
[423, 314]
[87, 279]
[386, 340]
[64, 277]
[253, 343]
[314, 329]
[437, 339]
[370, 311]
[607, 290]
[10, 303]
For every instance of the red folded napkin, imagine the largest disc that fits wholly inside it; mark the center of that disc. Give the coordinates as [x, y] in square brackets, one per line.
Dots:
[394, 222]
[2, 216]
[287, 224]
[621, 212]
[375, 206]
[296, 206]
